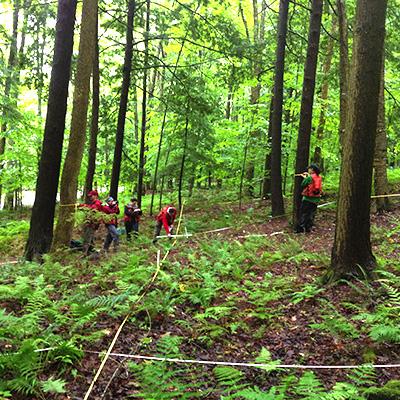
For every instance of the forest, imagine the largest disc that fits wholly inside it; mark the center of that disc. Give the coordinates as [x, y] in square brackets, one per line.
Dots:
[200, 199]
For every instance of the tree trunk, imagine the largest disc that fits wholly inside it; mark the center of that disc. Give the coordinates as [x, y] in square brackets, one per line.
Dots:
[258, 37]
[42, 219]
[266, 185]
[144, 105]
[310, 68]
[76, 144]
[183, 161]
[94, 126]
[163, 176]
[344, 66]
[123, 103]
[276, 128]
[317, 159]
[380, 160]
[352, 253]
[11, 64]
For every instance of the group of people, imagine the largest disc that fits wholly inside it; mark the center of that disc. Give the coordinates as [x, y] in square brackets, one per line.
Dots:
[97, 213]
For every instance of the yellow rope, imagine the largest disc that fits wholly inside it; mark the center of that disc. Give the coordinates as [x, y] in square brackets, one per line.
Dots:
[110, 348]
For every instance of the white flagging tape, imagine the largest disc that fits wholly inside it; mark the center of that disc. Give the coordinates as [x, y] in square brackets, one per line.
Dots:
[262, 235]
[215, 230]
[174, 236]
[233, 364]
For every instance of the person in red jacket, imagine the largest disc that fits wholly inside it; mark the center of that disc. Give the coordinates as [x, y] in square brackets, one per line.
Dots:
[312, 192]
[111, 208]
[132, 214]
[92, 219]
[166, 218]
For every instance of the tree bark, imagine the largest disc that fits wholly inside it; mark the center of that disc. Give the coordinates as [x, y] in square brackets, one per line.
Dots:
[266, 186]
[11, 64]
[94, 126]
[258, 38]
[352, 253]
[144, 110]
[42, 219]
[317, 158]
[76, 144]
[276, 122]
[303, 140]
[380, 160]
[123, 103]
[182, 171]
[344, 66]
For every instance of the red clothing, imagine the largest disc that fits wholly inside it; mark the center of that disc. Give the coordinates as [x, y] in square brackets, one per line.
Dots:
[90, 220]
[132, 214]
[111, 209]
[95, 205]
[314, 189]
[166, 218]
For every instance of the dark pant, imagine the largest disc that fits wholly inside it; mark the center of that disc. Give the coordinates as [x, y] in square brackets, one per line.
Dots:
[157, 230]
[131, 226]
[112, 237]
[307, 215]
[88, 238]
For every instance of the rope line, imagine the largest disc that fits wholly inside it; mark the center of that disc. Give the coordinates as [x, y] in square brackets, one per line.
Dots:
[148, 286]
[231, 363]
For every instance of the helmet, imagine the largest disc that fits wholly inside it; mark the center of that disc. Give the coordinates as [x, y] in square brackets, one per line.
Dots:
[109, 200]
[93, 193]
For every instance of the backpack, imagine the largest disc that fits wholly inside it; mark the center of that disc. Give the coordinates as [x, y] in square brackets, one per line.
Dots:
[314, 189]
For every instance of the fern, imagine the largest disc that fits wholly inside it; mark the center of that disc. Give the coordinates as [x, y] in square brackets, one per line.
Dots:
[257, 394]
[228, 376]
[53, 386]
[266, 358]
[309, 387]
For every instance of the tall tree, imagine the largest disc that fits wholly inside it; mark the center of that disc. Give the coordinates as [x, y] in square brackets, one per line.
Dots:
[144, 105]
[307, 101]
[276, 121]
[352, 253]
[317, 158]
[76, 144]
[123, 102]
[255, 91]
[94, 126]
[42, 219]
[344, 65]
[380, 159]
[11, 64]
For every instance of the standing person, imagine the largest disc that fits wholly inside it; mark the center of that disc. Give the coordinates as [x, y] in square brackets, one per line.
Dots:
[132, 215]
[312, 192]
[111, 208]
[166, 218]
[92, 219]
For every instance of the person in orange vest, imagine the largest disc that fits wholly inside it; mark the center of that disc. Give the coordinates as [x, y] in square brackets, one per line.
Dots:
[111, 223]
[312, 192]
[166, 218]
[92, 220]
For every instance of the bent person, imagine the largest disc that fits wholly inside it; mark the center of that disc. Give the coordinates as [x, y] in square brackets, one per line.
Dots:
[166, 218]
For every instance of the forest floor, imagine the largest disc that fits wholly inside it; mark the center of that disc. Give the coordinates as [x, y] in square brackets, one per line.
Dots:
[223, 296]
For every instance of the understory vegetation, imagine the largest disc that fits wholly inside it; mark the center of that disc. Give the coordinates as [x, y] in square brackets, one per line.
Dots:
[223, 296]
